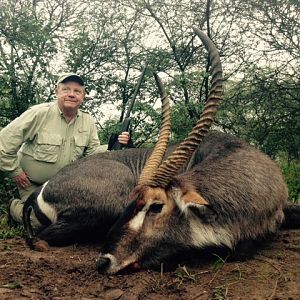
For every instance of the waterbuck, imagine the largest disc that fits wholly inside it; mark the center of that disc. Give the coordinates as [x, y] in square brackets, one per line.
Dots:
[212, 190]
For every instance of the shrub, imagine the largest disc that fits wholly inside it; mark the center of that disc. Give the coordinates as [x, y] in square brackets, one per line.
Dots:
[291, 171]
[7, 189]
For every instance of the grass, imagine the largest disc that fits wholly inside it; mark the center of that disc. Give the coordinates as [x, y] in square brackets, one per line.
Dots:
[184, 275]
[229, 278]
[219, 263]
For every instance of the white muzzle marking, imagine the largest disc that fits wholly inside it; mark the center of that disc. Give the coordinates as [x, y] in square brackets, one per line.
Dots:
[137, 222]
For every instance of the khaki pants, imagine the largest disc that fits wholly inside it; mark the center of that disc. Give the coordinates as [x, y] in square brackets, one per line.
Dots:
[16, 207]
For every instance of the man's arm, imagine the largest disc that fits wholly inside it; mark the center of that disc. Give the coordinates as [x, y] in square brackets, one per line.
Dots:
[94, 142]
[11, 138]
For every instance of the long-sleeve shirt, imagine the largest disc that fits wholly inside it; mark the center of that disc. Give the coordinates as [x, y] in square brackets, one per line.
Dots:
[40, 142]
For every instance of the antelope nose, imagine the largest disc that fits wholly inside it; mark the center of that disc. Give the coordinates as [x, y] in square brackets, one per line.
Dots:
[103, 264]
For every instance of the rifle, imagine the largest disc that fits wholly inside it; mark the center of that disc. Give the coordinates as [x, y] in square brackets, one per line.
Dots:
[113, 143]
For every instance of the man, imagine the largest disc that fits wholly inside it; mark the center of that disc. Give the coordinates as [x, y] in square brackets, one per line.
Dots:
[47, 137]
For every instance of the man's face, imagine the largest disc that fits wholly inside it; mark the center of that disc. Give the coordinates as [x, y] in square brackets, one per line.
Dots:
[69, 95]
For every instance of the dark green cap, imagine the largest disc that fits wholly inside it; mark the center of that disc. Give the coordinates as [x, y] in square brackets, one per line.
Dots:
[70, 77]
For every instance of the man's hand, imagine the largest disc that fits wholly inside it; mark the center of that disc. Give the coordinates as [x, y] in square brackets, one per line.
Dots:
[124, 137]
[21, 180]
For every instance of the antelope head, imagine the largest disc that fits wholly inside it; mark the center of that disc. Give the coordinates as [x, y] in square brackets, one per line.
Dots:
[164, 206]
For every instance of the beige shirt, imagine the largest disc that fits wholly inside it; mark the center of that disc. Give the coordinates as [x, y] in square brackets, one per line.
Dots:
[41, 142]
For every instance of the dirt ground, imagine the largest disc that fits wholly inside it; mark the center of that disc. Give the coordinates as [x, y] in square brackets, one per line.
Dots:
[70, 273]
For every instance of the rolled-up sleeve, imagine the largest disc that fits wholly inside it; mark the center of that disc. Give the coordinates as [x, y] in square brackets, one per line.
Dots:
[12, 137]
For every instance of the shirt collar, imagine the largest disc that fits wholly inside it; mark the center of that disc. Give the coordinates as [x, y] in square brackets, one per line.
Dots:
[79, 112]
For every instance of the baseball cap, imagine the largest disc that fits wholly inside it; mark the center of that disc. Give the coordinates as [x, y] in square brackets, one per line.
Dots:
[70, 77]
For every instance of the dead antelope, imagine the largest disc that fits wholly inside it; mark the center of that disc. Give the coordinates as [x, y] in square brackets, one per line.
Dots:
[216, 194]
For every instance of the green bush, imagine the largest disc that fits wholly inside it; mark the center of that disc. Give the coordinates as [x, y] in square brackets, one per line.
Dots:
[7, 189]
[291, 173]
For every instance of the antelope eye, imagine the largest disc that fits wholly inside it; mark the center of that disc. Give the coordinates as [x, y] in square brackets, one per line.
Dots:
[156, 208]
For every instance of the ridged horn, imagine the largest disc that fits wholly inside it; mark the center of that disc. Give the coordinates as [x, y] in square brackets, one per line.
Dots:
[160, 148]
[186, 148]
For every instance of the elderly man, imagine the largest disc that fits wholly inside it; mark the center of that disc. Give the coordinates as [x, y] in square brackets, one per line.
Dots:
[47, 137]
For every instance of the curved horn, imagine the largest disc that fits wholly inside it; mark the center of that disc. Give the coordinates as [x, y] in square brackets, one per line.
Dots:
[186, 148]
[160, 148]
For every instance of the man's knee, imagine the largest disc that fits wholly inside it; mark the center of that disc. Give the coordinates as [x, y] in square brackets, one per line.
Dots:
[16, 210]
[25, 193]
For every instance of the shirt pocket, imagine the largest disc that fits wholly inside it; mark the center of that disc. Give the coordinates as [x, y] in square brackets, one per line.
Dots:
[80, 144]
[47, 147]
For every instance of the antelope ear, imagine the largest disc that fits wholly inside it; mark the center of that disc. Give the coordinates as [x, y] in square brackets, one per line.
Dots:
[203, 212]
[192, 202]
[193, 197]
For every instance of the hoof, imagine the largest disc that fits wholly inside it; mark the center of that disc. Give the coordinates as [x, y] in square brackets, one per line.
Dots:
[41, 246]
[37, 244]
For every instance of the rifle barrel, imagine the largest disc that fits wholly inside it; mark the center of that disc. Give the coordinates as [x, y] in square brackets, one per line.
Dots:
[137, 88]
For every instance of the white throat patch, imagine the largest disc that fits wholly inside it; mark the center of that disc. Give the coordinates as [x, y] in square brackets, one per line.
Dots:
[209, 235]
[45, 207]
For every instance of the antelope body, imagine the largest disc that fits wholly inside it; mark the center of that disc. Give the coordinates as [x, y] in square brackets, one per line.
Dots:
[242, 189]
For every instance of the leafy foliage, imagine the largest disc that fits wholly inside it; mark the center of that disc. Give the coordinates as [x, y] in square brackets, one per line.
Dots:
[7, 189]
[181, 122]
[264, 109]
[291, 171]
